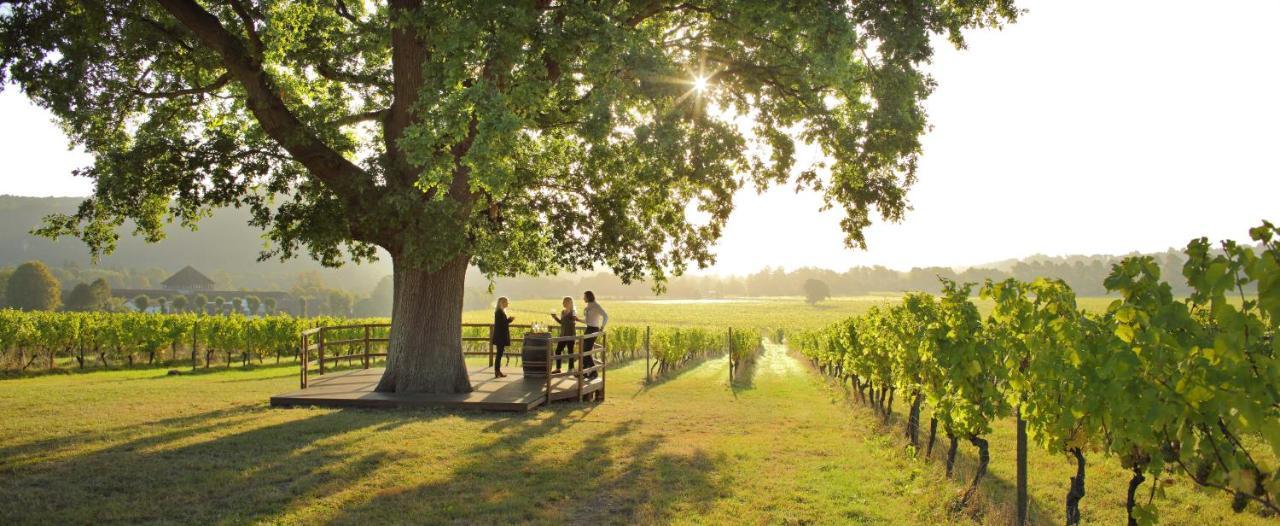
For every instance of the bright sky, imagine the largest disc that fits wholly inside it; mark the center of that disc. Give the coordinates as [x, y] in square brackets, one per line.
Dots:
[1087, 127]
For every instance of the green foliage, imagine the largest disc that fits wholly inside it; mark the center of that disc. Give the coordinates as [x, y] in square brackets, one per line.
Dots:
[816, 290]
[4, 283]
[1046, 340]
[1212, 366]
[32, 287]
[100, 293]
[254, 304]
[1190, 386]
[512, 123]
[744, 345]
[81, 298]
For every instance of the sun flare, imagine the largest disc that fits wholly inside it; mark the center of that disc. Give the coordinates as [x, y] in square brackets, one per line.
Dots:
[699, 84]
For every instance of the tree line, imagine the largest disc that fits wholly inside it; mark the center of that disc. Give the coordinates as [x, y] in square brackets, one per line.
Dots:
[1168, 386]
[1084, 274]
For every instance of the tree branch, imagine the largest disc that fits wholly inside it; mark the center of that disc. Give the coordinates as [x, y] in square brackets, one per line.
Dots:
[214, 86]
[343, 12]
[263, 99]
[328, 71]
[249, 26]
[657, 6]
[408, 54]
[359, 117]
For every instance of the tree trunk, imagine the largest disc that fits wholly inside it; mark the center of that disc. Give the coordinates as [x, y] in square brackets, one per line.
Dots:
[425, 351]
[951, 453]
[1076, 491]
[933, 432]
[888, 408]
[984, 458]
[1131, 501]
[913, 421]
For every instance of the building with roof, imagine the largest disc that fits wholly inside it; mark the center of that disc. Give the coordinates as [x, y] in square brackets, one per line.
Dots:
[190, 282]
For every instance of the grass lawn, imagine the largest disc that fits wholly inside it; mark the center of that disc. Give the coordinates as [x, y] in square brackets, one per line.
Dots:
[784, 447]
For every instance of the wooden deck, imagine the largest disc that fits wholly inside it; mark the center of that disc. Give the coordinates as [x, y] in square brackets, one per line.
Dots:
[513, 393]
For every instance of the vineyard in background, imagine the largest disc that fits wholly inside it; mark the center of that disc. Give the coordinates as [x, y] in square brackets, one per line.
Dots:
[1167, 386]
[53, 340]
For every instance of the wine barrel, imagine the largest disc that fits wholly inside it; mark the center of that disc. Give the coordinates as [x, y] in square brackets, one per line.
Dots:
[533, 353]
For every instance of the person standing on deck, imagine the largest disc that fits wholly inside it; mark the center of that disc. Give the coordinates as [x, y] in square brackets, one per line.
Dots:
[501, 333]
[595, 318]
[568, 327]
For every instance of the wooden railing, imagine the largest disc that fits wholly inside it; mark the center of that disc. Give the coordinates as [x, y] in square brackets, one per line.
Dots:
[598, 352]
[315, 341]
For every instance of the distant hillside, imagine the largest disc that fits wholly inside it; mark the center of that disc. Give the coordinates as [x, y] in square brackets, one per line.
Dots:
[225, 248]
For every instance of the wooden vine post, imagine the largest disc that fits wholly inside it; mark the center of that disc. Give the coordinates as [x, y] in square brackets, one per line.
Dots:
[1022, 467]
[647, 378]
[729, 345]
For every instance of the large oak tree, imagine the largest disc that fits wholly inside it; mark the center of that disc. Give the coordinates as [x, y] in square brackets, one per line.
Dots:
[528, 136]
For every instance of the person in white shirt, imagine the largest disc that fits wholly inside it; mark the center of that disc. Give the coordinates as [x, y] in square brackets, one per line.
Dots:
[596, 318]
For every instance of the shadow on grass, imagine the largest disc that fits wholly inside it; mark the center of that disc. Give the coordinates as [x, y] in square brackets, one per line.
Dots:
[198, 473]
[219, 466]
[663, 377]
[183, 367]
[613, 476]
[994, 501]
[745, 380]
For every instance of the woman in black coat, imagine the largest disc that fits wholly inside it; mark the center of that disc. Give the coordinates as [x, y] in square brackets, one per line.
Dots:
[501, 334]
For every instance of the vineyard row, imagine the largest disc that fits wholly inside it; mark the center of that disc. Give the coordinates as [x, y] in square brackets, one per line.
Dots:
[31, 339]
[1168, 386]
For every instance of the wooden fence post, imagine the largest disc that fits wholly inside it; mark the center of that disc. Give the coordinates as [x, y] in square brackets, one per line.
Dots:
[578, 369]
[646, 355]
[195, 333]
[302, 353]
[604, 366]
[320, 348]
[366, 346]
[548, 370]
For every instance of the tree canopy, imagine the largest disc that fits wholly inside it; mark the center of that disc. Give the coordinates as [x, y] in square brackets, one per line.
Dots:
[481, 129]
[816, 290]
[33, 287]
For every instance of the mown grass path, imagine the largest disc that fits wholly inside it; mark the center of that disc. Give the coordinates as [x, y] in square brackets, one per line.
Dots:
[140, 446]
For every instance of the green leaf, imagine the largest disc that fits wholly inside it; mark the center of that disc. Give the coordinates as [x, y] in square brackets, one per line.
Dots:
[1125, 333]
